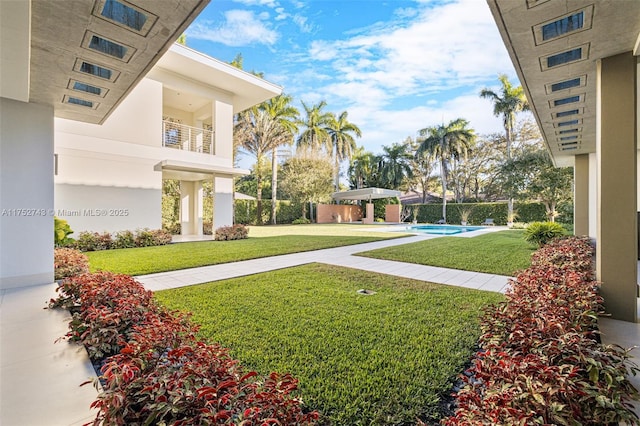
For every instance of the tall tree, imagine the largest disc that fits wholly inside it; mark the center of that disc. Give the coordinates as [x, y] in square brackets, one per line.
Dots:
[308, 179]
[422, 166]
[362, 169]
[394, 167]
[315, 134]
[341, 134]
[506, 103]
[285, 116]
[446, 142]
[258, 133]
[538, 179]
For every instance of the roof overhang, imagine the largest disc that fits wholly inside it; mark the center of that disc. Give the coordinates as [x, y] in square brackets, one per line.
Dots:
[44, 43]
[196, 171]
[365, 194]
[245, 89]
[610, 27]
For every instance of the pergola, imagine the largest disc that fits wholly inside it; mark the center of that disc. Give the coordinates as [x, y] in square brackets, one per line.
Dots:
[367, 194]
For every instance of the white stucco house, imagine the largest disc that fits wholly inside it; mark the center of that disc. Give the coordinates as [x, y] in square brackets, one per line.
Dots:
[177, 123]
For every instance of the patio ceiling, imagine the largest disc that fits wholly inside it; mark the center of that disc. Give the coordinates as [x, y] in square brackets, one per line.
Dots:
[82, 57]
[555, 46]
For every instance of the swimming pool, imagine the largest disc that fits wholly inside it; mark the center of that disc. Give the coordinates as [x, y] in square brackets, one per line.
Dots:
[442, 229]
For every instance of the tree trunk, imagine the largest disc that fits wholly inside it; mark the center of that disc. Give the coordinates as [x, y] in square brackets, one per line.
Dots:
[274, 185]
[510, 202]
[259, 197]
[443, 172]
[337, 172]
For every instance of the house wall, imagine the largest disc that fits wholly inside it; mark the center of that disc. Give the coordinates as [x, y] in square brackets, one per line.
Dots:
[105, 177]
[26, 194]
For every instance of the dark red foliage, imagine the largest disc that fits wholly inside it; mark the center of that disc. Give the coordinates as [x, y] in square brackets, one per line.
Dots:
[541, 362]
[157, 372]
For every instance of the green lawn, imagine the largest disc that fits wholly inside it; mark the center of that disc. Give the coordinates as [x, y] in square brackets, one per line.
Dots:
[262, 242]
[381, 359]
[502, 252]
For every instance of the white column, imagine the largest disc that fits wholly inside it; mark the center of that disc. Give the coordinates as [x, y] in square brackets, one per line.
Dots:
[186, 211]
[223, 127]
[26, 194]
[222, 202]
[198, 193]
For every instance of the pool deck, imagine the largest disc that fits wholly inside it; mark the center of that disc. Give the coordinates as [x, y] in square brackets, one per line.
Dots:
[39, 379]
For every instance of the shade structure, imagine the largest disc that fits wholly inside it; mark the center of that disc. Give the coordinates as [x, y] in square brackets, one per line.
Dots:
[365, 194]
[241, 196]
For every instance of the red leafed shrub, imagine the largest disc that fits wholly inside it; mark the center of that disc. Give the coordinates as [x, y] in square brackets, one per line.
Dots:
[195, 384]
[68, 263]
[575, 253]
[235, 232]
[155, 371]
[540, 361]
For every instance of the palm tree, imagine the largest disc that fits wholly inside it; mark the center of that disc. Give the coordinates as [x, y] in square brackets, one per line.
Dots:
[446, 142]
[361, 168]
[507, 103]
[315, 136]
[394, 166]
[341, 135]
[286, 117]
[258, 133]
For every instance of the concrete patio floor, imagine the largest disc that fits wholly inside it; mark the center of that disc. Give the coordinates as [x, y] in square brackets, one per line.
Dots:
[39, 379]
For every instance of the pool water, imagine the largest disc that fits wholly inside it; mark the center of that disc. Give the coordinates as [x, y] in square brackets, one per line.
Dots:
[442, 229]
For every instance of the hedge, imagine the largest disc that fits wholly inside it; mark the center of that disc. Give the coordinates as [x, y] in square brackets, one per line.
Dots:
[527, 212]
[245, 211]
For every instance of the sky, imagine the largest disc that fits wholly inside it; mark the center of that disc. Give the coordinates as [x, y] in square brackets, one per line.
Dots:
[396, 66]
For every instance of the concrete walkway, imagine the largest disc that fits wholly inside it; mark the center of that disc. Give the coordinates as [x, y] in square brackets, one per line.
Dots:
[39, 379]
[340, 256]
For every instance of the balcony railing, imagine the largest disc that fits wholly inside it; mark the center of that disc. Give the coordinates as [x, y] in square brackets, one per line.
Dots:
[187, 138]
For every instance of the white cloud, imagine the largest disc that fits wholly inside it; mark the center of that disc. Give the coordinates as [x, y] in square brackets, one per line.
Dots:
[239, 28]
[447, 46]
[267, 3]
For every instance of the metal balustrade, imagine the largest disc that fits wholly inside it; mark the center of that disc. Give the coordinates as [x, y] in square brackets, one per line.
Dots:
[187, 138]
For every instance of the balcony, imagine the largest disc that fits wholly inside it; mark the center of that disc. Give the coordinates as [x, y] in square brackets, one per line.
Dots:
[187, 138]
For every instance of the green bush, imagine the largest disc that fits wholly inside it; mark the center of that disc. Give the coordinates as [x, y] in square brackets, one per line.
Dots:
[301, 221]
[94, 241]
[527, 212]
[246, 210]
[540, 233]
[124, 239]
[61, 232]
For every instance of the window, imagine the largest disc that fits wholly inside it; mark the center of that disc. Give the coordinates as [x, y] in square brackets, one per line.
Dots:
[567, 84]
[96, 70]
[564, 101]
[566, 113]
[84, 87]
[107, 47]
[78, 101]
[564, 132]
[564, 57]
[568, 123]
[123, 14]
[563, 26]
[569, 138]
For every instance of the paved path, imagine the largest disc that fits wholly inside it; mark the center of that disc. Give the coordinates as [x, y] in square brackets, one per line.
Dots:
[340, 256]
